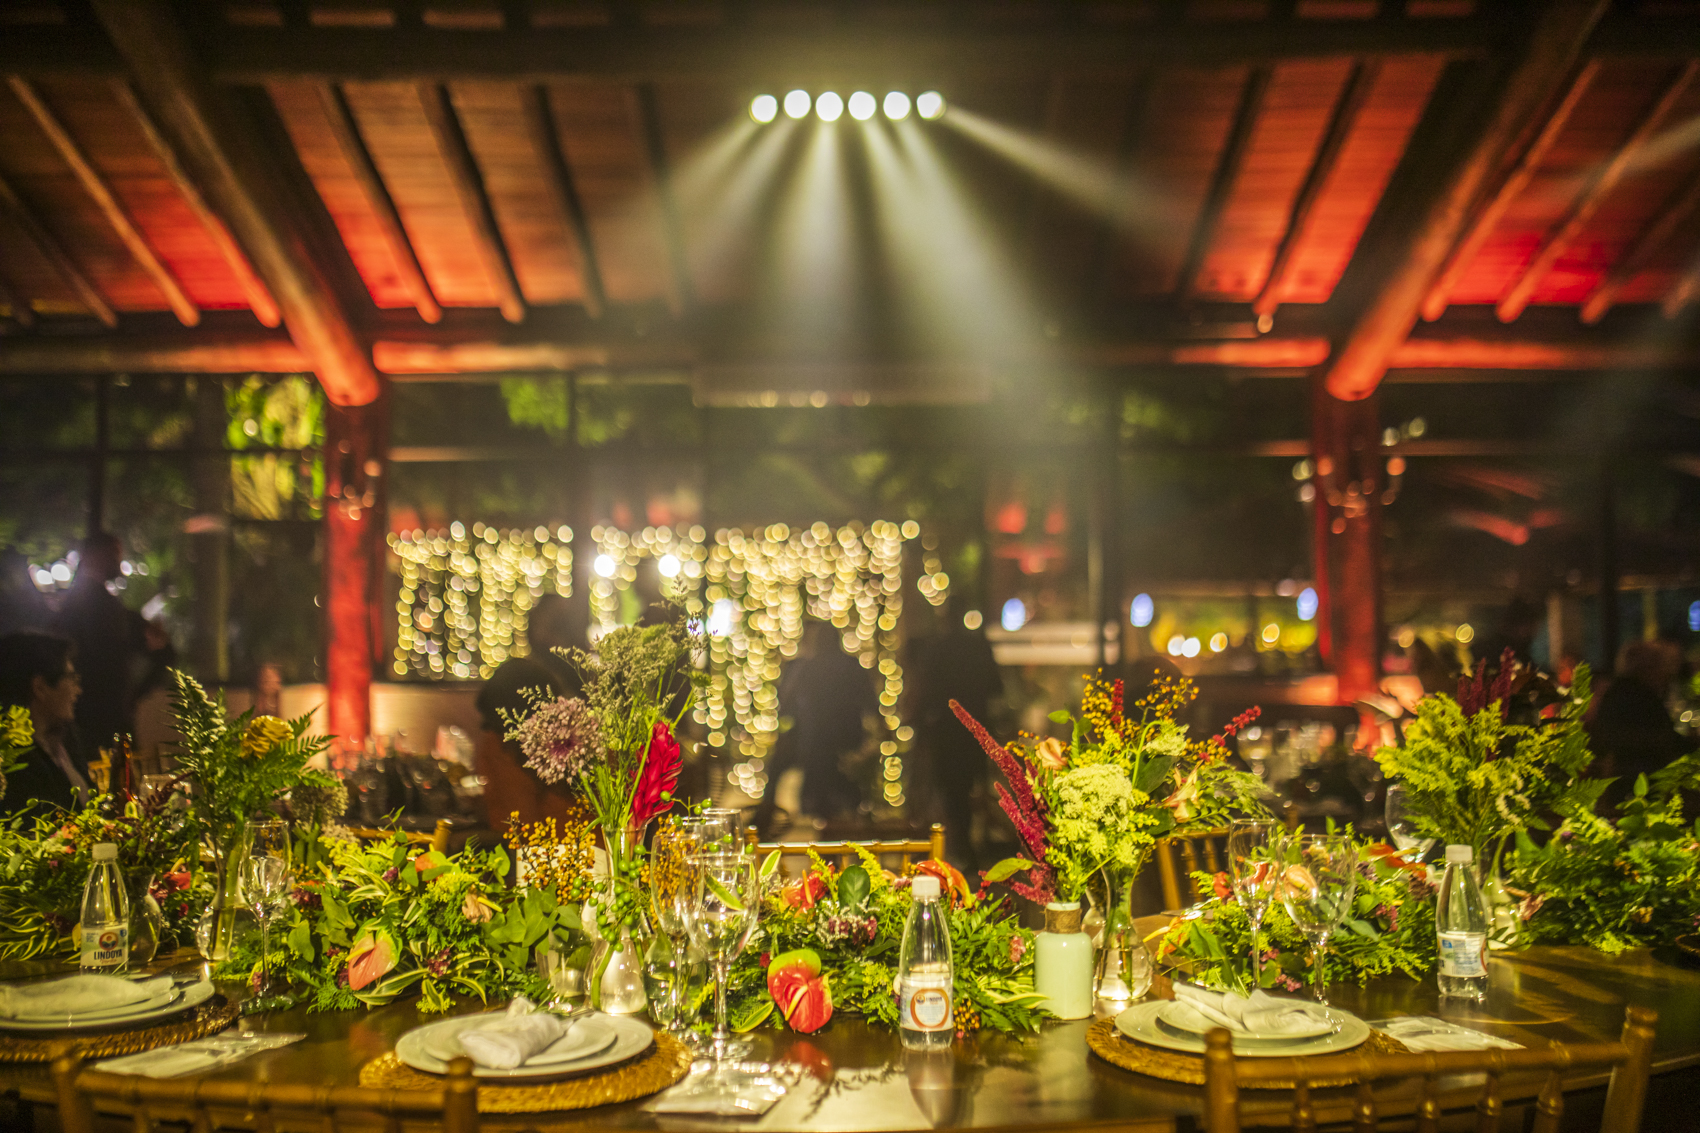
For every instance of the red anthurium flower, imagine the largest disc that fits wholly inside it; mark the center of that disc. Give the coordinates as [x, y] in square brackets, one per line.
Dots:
[660, 774]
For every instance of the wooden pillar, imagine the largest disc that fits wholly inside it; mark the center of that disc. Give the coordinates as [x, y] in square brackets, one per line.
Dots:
[1350, 479]
[1611, 631]
[356, 459]
[209, 534]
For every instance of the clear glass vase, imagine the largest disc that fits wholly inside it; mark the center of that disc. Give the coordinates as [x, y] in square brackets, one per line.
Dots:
[614, 979]
[147, 923]
[1122, 972]
[228, 917]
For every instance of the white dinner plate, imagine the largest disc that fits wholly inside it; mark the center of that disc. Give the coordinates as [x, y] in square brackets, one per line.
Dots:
[1140, 1022]
[180, 1000]
[588, 1036]
[1183, 1016]
[631, 1037]
[141, 1007]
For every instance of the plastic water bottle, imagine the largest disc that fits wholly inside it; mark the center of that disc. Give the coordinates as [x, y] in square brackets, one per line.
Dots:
[106, 915]
[924, 974]
[1460, 920]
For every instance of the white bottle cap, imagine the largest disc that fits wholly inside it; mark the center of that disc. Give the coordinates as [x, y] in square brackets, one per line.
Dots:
[925, 887]
[1460, 855]
[106, 852]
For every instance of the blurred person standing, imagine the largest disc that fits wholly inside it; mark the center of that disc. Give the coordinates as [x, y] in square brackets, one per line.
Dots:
[825, 692]
[22, 606]
[1632, 729]
[111, 640]
[37, 672]
[954, 664]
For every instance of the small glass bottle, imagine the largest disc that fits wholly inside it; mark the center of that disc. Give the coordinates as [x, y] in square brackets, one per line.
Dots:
[925, 978]
[106, 915]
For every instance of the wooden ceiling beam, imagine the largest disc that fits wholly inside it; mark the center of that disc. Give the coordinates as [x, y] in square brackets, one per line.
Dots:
[51, 251]
[1647, 243]
[474, 197]
[1593, 195]
[235, 176]
[1547, 59]
[1488, 218]
[1222, 181]
[1340, 123]
[259, 297]
[340, 117]
[681, 296]
[558, 176]
[117, 218]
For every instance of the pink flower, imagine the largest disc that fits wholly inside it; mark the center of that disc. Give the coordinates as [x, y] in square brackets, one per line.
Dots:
[1183, 800]
[1017, 949]
[1051, 753]
[559, 739]
[1023, 808]
[661, 762]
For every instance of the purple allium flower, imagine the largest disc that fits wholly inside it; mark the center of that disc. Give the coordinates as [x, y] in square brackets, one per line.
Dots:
[559, 739]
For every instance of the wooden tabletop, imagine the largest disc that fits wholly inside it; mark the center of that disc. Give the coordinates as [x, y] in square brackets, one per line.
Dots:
[862, 1079]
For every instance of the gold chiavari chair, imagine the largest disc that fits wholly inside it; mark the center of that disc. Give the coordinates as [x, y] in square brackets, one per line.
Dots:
[1630, 1059]
[437, 840]
[150, 1104]
[844, 853]
[1210, 846]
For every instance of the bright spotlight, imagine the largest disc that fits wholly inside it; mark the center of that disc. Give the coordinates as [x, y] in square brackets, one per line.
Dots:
[604, 565]
[829, 106]
[896, 106]
[797, 104]
[862, 106]
[668, 565]
[764, 108]
[1142, 610]
[1307, 604]
[1014, 614]
[930, 105]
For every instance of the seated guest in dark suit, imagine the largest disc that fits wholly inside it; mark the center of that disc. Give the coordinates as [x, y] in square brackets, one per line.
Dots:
[37, 672]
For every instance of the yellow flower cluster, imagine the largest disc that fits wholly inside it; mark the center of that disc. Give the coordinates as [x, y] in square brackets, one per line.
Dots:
[556, 855]
[17, 729]
[263, 735]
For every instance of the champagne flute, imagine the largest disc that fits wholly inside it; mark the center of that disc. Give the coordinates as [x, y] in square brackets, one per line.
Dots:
[266, 884]
[674, 966]
[720, 831]
[1319, 878]
[1251, 854]
[722, 917]
[1400, 824]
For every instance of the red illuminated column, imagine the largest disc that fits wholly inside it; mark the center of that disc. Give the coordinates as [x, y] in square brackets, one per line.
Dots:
[1350, 481]
[356, 454]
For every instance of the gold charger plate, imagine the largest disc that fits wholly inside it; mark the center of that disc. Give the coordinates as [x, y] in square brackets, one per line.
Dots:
[1689, 944]
[208, 1018]
[654, 1070]
[1175, 1066]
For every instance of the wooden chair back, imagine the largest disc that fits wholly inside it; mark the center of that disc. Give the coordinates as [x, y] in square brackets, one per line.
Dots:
[1209, 847]
[844, 853]
[202, 1105]
[1630, 1058]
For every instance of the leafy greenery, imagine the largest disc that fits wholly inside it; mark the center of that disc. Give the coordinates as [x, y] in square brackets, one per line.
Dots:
[1616, 885]
[1475, 780]
[1390, 929]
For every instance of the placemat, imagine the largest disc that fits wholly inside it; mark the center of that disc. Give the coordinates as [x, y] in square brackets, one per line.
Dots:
[650, 1072]
[207, 1018]
[1178, 1066]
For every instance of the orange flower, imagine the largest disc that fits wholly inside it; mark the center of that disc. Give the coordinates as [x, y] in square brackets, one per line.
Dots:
[1051, 753]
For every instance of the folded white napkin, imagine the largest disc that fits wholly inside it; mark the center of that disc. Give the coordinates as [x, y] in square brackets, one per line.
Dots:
[1259, 1012]
[513, 1037]
[1424, 1033]
[78, 995]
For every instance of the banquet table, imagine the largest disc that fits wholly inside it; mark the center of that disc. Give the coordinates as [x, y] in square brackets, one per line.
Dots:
[860, 1078]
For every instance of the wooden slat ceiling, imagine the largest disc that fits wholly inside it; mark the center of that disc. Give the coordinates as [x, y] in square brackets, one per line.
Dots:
[1221, 149]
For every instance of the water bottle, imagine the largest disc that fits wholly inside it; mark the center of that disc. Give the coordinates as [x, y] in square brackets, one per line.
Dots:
[924, 975]
[106, 915]
[1460, 920]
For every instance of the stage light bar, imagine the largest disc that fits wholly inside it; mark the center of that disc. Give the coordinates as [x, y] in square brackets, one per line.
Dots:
[797, 104]
[930, 105]
[764, 108]
[896, 106]
[862, 106]
[829, 106]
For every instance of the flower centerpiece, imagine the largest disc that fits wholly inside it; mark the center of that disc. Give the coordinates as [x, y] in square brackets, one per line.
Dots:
[830, 940]
[617, 749]
[1474, 778]
[17, 735]
[239, 768]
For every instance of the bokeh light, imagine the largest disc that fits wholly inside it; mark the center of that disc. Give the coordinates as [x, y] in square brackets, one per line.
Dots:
[897, 106]
[764, 108]
[862, 106]
[930, 105]
[829, 106]
[797, 104]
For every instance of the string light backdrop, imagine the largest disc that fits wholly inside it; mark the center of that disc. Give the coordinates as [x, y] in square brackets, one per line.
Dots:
[465, 598]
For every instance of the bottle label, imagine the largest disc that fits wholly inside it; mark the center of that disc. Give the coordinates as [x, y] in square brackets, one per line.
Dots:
[1461, 954]
[924, 1004]
[107, 946]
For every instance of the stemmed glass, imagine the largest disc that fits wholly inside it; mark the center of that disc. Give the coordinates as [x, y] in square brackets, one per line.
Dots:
[266, 883]
[719, 827]
[1400, 826]
[673, 968]
[1251, 853]
[721, 919]
[1319, 877]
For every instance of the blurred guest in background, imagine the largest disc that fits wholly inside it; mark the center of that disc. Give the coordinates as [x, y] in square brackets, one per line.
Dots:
[825, 692]
[268, 689]
[22, 606]
[153, 727]
[1632, 730]
[37, 672]
[111, 639]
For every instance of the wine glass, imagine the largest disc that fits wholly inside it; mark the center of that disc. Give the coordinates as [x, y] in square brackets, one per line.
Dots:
[1319, 877]
[674, 967]
[1401, 826]
[721, 918]
[720, 829]
[1251, 853]
[266, 885]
